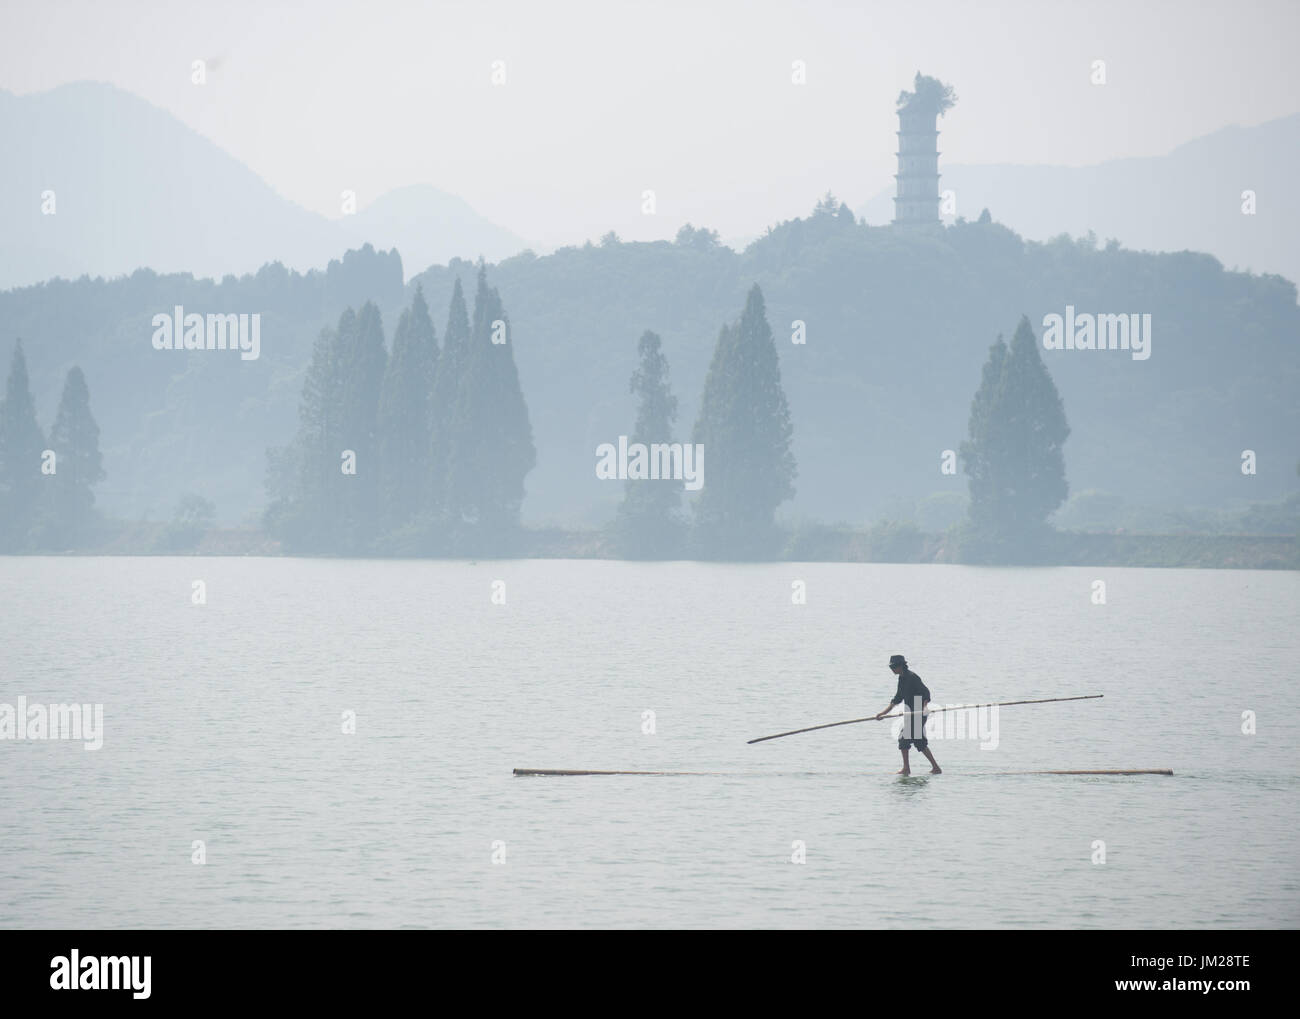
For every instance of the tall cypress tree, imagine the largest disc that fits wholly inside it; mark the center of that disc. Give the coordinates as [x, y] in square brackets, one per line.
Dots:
[74, 438]
[980, 458]
[361, 361]
[744, 426]
[647, 526]
[315, 506]
[1015, 456]
[304, 480]
[492, 437]
[21, 445]
[448, 375]
[405, 404]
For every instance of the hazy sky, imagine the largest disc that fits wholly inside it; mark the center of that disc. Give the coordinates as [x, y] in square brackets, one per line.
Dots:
[692, 100]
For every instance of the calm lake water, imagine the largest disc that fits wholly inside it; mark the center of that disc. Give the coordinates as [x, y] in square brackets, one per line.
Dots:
[223, 723]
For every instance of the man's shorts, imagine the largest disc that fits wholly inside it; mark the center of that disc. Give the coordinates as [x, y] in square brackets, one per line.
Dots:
[905, 737]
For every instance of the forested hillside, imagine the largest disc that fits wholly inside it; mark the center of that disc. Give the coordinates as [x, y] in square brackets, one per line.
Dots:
[897, 325]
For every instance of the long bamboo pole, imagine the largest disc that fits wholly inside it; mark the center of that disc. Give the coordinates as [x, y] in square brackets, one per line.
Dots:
[554, 772]
[957, 707]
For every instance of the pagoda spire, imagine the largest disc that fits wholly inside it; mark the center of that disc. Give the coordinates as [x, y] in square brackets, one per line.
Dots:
[917, 196]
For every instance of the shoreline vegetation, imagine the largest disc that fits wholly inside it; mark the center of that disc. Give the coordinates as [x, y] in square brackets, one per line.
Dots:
[888, 543]
[419, 445]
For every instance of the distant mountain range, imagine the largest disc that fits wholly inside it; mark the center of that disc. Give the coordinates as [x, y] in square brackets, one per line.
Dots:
[898, 321]
[134, 187]
[429, 227]
[1190, 199]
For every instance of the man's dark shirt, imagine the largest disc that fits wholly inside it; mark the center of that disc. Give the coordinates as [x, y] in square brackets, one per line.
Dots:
[910, 688]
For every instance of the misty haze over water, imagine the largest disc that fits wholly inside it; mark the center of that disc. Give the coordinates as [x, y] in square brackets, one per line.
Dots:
[398, 395]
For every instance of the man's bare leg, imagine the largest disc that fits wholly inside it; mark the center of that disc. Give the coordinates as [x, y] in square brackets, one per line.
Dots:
[936, 770]
[905, 770]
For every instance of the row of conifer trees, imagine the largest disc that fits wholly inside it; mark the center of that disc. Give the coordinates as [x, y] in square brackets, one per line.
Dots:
[46, 481]
[1013, 456]
[426, 450]
[421, 450]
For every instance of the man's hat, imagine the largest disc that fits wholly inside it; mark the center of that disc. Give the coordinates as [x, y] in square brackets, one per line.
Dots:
[897, 660]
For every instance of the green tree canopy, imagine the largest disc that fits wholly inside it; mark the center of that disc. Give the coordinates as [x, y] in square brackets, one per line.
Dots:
[193, 519]
[361, 361]
[647, 526]
[928, 95]
[449, 372]
[405, 406]
[74, 438]
[1014, 456]
[21, 445]
[744, 426]
[492, 437]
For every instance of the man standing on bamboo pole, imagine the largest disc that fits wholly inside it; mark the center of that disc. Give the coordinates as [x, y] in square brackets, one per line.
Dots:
[911, 691]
